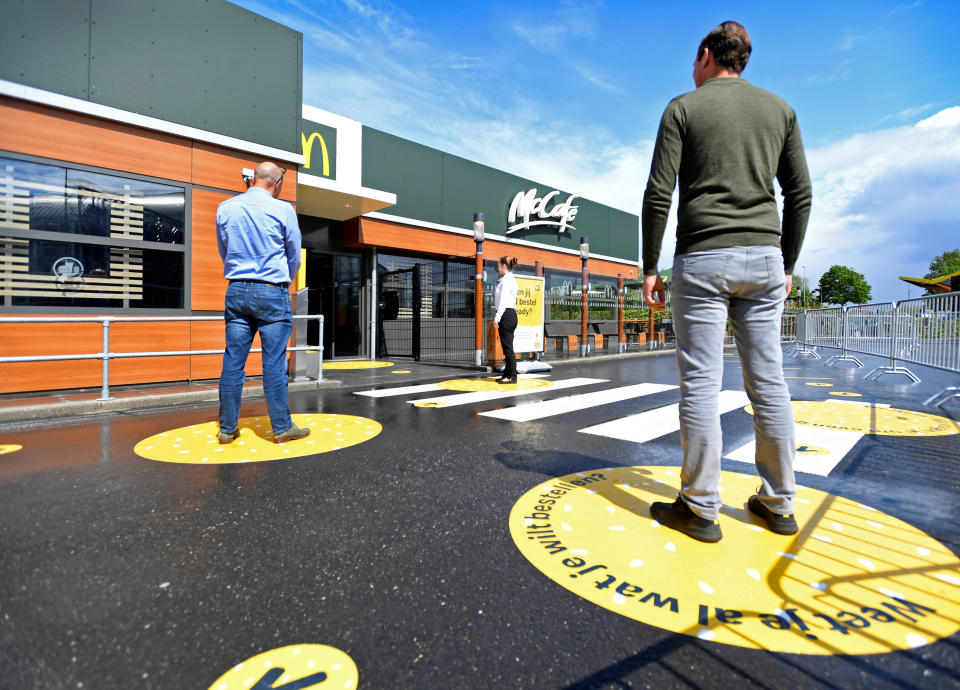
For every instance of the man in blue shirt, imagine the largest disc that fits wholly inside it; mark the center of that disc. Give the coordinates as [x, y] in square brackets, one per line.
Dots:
[259, 241]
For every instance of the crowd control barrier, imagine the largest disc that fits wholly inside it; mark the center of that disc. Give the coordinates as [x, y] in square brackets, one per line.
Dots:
[923, 331]
[106, 355]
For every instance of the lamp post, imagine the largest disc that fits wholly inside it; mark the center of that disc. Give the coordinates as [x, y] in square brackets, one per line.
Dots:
[584, 275]
[803, 289]
[478, 285]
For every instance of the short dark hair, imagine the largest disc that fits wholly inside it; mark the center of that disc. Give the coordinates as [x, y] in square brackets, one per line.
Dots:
[730, 46]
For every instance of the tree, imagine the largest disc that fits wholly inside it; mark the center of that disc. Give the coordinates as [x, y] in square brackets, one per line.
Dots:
[800, 294]
[942, 265]
[841, 284]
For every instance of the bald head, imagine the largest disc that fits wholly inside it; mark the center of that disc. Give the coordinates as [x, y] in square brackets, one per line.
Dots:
[269, 176]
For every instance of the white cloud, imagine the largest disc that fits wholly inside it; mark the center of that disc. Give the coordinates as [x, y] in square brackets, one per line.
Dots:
[886, 203]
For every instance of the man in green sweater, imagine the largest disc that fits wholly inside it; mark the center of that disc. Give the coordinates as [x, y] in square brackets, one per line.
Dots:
[726, 141]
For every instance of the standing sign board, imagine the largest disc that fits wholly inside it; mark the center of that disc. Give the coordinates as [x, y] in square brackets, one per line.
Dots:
[530, 307]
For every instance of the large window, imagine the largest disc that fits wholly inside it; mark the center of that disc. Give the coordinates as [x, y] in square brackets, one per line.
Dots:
[76, 238]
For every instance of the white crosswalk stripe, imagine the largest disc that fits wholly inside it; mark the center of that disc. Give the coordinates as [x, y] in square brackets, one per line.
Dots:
[422, 388]
[483, 396]
[547, 408]
[646, 426]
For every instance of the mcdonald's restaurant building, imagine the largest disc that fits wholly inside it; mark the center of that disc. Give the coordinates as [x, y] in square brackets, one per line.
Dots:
[126, 123]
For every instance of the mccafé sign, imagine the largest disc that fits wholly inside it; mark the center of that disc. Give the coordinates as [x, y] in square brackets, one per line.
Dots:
[544, 210]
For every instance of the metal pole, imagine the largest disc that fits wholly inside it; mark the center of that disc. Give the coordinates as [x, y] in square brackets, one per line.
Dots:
[105, 384]
[374, 306]
[621, 331]
[584, 274]
[478, 305]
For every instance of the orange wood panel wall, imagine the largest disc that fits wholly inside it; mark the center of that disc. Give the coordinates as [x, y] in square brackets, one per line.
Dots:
[214, 166]
[41, 131]
[394, 235]
[60, 135]
[206, 269]
[87, 338]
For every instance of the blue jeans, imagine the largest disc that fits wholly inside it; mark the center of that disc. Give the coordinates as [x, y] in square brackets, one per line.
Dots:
[746, 284]
[250, 308]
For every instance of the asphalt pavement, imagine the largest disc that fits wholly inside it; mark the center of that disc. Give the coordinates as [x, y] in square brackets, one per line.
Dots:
[132, 559]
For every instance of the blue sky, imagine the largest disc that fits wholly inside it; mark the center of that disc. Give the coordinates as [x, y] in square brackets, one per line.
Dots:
[570, 94]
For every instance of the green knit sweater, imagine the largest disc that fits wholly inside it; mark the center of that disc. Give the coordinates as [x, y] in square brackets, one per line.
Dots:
[726, 141]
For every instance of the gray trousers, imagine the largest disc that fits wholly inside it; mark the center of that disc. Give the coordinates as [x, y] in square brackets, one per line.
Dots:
[748, 285]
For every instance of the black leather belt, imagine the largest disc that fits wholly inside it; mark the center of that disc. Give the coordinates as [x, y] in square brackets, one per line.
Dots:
[261, 282]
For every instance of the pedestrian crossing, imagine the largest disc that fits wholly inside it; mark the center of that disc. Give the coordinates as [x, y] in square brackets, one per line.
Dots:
[646, 426]
[819, 450]
[483, 396]
[548, 408]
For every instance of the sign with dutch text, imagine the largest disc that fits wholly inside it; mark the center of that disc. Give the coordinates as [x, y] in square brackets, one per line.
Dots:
[530, 308]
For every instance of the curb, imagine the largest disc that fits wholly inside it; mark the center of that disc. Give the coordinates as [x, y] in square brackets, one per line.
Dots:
[27, 413]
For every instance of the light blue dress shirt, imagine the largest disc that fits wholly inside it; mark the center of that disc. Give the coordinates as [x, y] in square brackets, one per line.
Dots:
[258, 238]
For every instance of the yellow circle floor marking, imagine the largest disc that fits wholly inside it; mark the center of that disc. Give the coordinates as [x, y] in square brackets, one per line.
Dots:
[400, 371]
[197, 444]
[867, 419]
[490, 384]
[846, 394]
[299, 666]
[822, 385]
[357, 364]
[853, 581]
[11, 448]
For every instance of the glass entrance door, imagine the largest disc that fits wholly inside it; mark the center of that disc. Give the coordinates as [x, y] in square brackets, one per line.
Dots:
[333, 289]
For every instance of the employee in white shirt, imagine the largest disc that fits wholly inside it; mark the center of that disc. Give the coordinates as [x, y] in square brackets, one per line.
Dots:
[506, 318]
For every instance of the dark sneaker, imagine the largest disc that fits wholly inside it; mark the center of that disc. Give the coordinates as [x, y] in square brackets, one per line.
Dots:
[294, 433]
[678, 516]
[781, 524]
[228, 436]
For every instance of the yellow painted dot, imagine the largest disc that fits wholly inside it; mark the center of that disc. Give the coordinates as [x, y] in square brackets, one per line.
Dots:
[490, 384]
[9, 448]
[846, 394]
[400, 371]
[294, 664]
[429, 403]
[255, 444]
[820, 385]
[356, 364]
[774, 591]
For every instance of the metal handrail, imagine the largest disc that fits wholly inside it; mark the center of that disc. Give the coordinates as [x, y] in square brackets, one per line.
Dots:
[106, 355]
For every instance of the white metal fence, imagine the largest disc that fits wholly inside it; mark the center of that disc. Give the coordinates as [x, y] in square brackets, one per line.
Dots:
[106, 355]
[923, 331]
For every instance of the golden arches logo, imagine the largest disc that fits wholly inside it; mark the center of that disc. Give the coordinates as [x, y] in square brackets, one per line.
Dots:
[307, 144]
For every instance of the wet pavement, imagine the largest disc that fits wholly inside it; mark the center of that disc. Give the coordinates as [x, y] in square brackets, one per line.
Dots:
[405, 550]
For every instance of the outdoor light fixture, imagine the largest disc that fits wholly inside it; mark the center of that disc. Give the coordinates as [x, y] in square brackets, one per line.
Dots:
[247, 174]
[584, 248]
[478, 226]
[478, 289]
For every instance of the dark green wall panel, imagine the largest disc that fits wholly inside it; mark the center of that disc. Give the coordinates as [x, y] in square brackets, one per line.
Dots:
[210, 65]
[44, 44]
[441, 188]
[202, 63]
[411, 171]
